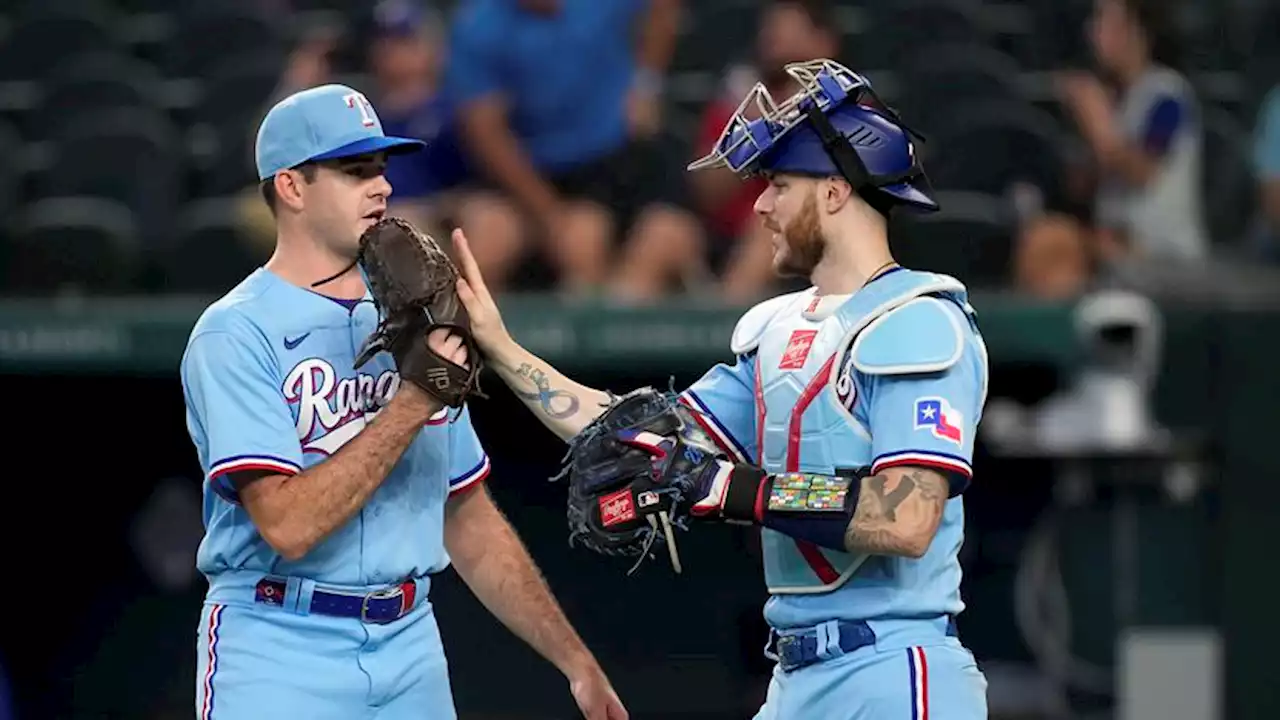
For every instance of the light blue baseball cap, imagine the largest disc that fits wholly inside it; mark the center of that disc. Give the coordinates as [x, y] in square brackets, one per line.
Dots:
[322, 123]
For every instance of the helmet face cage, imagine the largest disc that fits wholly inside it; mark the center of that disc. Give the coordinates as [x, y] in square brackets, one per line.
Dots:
[760, 122]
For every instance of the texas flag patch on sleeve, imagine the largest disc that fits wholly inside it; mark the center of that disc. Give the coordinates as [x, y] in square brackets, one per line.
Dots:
[937, 416]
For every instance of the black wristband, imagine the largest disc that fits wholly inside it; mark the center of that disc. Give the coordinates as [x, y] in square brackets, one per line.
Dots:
[809, 507]
[743, 496]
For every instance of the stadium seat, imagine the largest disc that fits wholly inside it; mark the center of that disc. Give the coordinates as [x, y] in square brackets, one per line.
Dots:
[713, 36]
[90, 84]
[998, 70]
[82, 243]
[210, 253]
[1263, 24]
[991, 146]
[944, 76]
[230, 168]
[134, 7]
[235, 95]
[1261, 75]
[11, 171]
[45, 35]
[208, 33]
[130, 155]
[971, 239]
[240, 85]
[1228, 180]
[1207, 38]
[894, 32]
[1060, 35]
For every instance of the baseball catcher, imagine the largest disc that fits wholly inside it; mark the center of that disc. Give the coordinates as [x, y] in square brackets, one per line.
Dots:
[843, 427]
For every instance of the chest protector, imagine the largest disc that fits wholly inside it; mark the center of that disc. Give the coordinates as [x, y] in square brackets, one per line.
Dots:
[806, 351]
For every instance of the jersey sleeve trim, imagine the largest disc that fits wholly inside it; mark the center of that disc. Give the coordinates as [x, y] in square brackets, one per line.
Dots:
[957, 469]
[705, 418]
[253, 462]
[219, 472]
[471, 477]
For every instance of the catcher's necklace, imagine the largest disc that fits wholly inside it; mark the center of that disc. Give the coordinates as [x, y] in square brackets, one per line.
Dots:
[878, 271]
[874, 274]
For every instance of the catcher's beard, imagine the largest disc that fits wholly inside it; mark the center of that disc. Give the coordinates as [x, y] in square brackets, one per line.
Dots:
[804, 242]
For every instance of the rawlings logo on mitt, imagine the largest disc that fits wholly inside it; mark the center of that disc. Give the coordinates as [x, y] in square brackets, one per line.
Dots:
[413, 283]
[634, 474]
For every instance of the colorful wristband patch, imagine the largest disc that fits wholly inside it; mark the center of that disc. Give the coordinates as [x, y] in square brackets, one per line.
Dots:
[802, 492]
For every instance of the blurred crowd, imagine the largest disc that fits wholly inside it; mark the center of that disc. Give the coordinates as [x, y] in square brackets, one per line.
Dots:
[1065, 138]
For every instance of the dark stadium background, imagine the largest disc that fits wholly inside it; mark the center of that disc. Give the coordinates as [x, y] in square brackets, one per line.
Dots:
[144, 109]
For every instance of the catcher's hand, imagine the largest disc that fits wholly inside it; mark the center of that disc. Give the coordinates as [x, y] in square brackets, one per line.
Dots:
[635, 475]
[413, 283]
[486, 321]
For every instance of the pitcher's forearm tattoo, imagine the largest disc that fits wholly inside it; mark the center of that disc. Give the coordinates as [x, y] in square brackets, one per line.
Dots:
[556, 404]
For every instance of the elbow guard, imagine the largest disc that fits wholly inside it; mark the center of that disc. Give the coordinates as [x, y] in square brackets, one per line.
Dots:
[804, 506]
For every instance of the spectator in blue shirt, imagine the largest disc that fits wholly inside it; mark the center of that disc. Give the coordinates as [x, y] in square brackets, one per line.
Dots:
[433, 187]
[404, 58]
[558, 107]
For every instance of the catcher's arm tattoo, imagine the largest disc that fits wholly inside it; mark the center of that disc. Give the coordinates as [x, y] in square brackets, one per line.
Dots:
[556, 404]
[564, 406]
[898, 512]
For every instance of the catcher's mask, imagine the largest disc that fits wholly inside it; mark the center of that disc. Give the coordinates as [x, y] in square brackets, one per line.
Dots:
[834, 125]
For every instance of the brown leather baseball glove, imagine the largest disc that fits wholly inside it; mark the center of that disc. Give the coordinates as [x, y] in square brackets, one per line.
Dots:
[413, 283]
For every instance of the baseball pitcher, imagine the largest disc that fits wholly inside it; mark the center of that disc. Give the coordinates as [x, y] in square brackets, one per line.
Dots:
[844, 427]
[326, 398]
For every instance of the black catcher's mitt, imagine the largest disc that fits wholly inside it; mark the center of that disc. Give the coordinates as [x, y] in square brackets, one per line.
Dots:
[413, 283]
[634, 473]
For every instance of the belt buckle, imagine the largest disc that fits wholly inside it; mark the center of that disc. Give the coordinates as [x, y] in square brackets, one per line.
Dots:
[384, 594]
[783, 642]
[787, 648]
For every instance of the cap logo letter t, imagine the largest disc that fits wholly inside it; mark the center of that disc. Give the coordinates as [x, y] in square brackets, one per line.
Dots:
[359, 102]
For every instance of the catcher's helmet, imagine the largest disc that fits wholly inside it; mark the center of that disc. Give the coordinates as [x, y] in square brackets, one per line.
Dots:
[834, 125]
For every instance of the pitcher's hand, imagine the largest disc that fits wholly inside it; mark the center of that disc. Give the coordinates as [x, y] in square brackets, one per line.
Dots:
[486, 322]
[449, 346]
[595, 696]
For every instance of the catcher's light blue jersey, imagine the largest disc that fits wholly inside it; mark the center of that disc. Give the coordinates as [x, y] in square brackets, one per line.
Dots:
[895, 374]
[269, 385]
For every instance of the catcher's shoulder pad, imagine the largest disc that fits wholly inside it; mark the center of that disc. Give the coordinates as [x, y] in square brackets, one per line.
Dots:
[751, 326]
[920, 336]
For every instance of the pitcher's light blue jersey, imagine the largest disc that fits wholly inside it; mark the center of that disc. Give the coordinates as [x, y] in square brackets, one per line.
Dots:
[893, 375]
[269, 385]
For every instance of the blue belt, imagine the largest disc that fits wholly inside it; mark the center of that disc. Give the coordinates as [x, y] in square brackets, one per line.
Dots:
[796, 650]
[378, 607]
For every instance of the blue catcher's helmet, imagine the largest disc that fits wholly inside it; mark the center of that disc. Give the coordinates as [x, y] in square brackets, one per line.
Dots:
[834, 125]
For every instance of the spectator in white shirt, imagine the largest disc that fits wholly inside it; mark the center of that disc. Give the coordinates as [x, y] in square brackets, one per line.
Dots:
[1146, 141]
